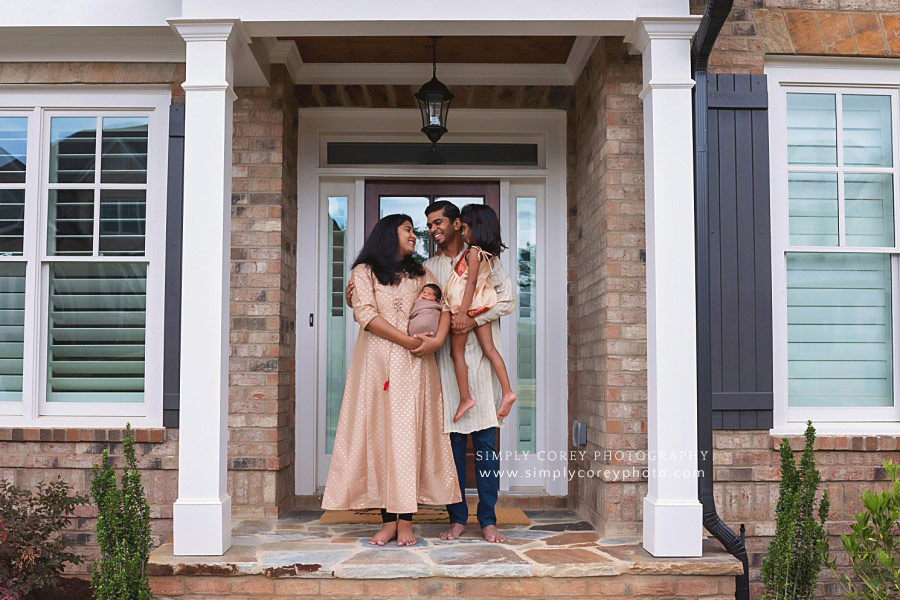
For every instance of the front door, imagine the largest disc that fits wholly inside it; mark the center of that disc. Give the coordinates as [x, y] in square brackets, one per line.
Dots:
[347, 224]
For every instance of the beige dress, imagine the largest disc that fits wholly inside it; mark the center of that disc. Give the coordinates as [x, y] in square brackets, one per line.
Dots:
[389, 450]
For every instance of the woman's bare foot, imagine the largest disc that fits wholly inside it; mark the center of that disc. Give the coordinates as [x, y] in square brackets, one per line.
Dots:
[464, 405]
[405, 536]
[506, 403]
[387, 533]
[493, 535]
[456, 530]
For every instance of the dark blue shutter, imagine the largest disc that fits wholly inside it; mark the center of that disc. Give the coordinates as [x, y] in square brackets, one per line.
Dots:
[172, 333]
[740, 274]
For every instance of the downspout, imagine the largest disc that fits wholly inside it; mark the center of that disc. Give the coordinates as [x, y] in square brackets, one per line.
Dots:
[713, 18]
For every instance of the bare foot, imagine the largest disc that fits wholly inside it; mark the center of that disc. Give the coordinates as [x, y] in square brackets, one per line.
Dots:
[405, 536]
[506, 404]
[464, 405]
[456, 530]
[387, 533]
[493, 535]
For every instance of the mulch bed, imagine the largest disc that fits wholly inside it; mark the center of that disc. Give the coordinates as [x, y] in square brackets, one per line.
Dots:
[70, 588]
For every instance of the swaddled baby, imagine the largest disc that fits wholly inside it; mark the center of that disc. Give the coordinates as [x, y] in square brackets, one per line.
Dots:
[426, 311]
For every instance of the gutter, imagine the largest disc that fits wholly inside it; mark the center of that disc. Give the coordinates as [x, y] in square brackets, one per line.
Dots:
[714, 17]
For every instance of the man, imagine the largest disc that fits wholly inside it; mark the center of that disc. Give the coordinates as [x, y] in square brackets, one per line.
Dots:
[480, 421]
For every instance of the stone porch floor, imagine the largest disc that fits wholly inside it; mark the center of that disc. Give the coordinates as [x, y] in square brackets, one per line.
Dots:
[557, 543]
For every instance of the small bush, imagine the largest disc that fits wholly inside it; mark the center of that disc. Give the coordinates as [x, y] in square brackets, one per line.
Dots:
[791, 569]
[874, 545]
[32, 549]
[123, 530]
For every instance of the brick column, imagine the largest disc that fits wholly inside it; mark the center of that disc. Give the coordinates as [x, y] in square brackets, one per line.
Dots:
[672, 512]
[202, 513]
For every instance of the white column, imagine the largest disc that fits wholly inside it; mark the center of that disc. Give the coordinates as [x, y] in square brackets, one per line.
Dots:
[202, 513]
[672, 513]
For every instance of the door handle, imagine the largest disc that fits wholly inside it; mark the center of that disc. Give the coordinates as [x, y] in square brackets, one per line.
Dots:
[310, 319]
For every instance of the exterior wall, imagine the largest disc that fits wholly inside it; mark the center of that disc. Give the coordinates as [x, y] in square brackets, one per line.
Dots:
[607, 287]
[800, 27]
[695, 587]
[747, 476]
[263, 299]
[747, 462]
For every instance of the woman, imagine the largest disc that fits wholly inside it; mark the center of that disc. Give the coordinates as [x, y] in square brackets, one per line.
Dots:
[389, 450]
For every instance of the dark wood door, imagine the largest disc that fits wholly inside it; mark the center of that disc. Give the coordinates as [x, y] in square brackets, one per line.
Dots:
[411, 198]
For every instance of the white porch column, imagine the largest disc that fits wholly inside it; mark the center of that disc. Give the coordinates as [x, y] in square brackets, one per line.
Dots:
[672, 512]
[202, 513]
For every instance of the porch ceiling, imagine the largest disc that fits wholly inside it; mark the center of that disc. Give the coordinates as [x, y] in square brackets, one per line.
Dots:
[451, 49]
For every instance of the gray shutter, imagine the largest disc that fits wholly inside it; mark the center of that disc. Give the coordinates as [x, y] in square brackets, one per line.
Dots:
[740, 253]
[172, 333]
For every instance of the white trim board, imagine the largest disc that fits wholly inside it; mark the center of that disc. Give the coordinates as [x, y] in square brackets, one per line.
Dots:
[547, 127]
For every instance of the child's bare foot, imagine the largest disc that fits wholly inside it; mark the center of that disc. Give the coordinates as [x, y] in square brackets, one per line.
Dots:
[387, 533]
[464, 405]
[455, 530]
[405, 536]
[506, 405]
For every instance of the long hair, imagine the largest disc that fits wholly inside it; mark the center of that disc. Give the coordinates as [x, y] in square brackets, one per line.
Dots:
[380, 252]
[484, 227]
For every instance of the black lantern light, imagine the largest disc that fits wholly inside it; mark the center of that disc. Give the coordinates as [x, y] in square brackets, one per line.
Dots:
[434, 102]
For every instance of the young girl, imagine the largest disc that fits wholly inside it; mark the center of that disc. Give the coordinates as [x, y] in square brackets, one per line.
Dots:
[469, 291]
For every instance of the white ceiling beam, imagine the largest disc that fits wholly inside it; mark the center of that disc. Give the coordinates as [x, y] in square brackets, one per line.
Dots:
[580, 54]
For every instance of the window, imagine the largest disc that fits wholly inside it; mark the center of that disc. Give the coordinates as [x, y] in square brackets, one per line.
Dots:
[82, 233]
[835, 253]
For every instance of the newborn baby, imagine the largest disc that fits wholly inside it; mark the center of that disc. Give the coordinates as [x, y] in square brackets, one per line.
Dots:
[426, 311]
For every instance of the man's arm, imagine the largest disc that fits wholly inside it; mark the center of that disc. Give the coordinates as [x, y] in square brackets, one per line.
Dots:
[506, 296]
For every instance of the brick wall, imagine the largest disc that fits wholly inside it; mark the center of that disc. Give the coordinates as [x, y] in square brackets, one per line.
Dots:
[607, 291]
[747, 475]
[613, 588]
[803, 27]
[263, 299]
[29, 456]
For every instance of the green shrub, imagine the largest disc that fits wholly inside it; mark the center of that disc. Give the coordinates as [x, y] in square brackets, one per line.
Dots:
[791, 569]
[123, 530]
[32, 548]
[874, 544]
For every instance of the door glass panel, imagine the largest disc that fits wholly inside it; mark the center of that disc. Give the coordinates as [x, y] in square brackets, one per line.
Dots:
[526, 323]
[415, 206]
[12, 330]
[336, 364]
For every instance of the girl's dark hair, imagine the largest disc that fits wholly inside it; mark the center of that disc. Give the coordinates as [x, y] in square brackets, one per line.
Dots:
[380, 252]
[436, 289]
[484, 227]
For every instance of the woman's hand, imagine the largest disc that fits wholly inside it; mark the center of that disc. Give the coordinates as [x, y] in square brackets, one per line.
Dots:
[429, 344]
[348, 293]
[411, 343]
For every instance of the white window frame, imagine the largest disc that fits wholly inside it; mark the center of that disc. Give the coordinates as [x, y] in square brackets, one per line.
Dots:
[828, 75]
[39, 104]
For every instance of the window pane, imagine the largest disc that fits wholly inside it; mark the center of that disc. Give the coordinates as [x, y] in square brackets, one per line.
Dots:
[124, 158]
[123, 220]
[12, 222]
[867, 130]
[812, 129]
[526, 324]
[839, 330]
[73, 149]
[70, 222]
[97, 320]
[12, 330]
[869, 207]
[13, 138]
[337, 320]
[813, 209]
